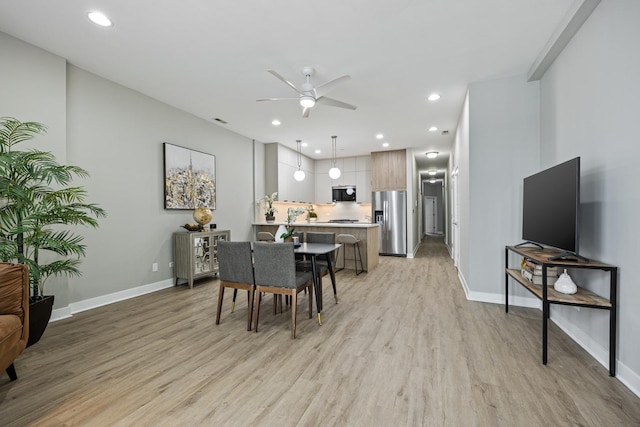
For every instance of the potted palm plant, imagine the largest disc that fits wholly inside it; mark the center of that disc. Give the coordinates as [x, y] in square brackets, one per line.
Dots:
[35, 205]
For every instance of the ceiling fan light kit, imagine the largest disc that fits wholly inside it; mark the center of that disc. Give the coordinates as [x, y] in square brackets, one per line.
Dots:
[310, 95]
[307, 101]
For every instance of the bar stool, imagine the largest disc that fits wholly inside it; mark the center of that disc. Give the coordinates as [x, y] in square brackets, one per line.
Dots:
[350, 239]
[265, 236]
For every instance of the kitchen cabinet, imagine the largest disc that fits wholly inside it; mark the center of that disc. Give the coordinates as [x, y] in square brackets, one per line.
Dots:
[280, 164]
[323, 187]
[363, 186]
[389, 170]
[354, 171]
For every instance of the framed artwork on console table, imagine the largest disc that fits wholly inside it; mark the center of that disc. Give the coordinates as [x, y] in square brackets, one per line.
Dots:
[189, 178]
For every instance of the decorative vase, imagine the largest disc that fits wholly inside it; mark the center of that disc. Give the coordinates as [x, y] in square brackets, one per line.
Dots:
[279, 232]
[270, 219]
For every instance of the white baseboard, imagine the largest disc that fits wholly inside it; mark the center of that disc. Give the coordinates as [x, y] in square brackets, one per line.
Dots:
[626, 376]
[60, 313]
[77, 307]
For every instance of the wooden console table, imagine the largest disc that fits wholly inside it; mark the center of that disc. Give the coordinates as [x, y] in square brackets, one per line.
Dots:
[548, 295]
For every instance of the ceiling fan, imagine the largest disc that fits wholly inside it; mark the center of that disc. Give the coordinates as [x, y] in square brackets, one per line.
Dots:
[310, 95]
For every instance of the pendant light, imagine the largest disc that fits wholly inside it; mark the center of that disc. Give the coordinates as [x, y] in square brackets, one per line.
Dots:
[334, 172]
[299, 174]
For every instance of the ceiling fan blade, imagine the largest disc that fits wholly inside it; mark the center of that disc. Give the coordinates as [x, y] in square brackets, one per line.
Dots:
[278, 99]
[279, 77]
[335, 103]
[306, 111]
[330, 85]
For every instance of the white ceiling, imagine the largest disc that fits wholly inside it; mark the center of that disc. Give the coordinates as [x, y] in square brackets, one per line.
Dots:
[210, 58]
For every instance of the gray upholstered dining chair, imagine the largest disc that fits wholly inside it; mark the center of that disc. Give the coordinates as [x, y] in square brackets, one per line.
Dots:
[323, 268]
[236, 271]
[275, 273]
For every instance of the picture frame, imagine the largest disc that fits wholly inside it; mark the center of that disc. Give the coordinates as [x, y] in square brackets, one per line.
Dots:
[189, 178]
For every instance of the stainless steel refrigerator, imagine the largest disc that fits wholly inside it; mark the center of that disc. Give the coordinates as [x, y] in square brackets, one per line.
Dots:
[389, 209]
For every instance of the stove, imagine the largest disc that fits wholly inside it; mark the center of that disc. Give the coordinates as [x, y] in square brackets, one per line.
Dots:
[346, 221]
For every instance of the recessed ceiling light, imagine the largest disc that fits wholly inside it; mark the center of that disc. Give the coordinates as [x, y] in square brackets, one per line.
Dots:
[99, 18]
[432, 172]
[432, 154]
[304, 144]
[433, 129]
[275, 122]
[385, 144]
[379, 136]
[317, 151]
[433, 97]
[433, 181]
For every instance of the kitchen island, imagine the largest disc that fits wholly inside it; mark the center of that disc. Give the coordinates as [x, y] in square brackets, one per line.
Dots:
[366, 232]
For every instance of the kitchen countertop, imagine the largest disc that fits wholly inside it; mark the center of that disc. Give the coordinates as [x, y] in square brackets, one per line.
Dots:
[365, 232]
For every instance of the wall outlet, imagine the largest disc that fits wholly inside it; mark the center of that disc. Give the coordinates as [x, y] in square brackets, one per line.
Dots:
[171, 264]
[154, 266]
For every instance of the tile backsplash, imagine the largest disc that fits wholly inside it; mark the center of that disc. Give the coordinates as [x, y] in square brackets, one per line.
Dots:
[326, 212]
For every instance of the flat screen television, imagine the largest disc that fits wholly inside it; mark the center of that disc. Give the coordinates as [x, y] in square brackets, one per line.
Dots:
[551, 208]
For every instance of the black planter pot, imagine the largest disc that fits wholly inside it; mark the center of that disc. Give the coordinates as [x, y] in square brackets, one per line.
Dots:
[40, 309]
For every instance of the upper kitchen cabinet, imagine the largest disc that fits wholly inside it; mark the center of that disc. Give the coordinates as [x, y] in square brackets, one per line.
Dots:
[363, 179]
[354, 171]
[323, 182]
[389, 170]
[280, 164]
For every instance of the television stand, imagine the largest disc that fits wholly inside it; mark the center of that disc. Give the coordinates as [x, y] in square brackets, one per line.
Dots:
[548, 295]
[537, 245]
[568, 256]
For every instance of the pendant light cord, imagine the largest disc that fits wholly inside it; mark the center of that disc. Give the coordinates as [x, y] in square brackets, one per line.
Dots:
[333, 140]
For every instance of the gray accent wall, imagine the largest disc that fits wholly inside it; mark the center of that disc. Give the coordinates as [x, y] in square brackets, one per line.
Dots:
[589, 108]
[116, 134]
[503, 149]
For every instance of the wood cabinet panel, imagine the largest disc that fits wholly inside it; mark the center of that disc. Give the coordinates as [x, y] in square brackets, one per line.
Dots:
[379, 171]
[389, 170]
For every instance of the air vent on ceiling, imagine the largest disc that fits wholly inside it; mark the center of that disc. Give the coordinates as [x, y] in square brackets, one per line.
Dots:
[445, 132]
[217, 119]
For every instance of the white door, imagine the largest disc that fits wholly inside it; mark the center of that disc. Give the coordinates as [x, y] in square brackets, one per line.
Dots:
[429, 210]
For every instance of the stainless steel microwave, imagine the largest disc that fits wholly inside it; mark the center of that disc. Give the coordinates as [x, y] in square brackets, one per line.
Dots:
[344, 193]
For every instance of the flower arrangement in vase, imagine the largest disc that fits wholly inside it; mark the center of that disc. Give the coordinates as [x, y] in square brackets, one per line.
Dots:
[312, 216]
[269, 209]
[292, 214]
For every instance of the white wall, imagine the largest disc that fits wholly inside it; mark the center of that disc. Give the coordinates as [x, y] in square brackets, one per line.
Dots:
[590, 105]
[116, 134]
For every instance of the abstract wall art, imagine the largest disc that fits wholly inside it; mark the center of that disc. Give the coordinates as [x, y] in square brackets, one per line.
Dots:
[189, 178]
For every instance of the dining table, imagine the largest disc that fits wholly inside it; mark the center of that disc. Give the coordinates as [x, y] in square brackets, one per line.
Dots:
[313, 251]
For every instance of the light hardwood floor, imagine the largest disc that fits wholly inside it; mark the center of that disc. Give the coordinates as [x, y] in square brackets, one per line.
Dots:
[402, 348]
